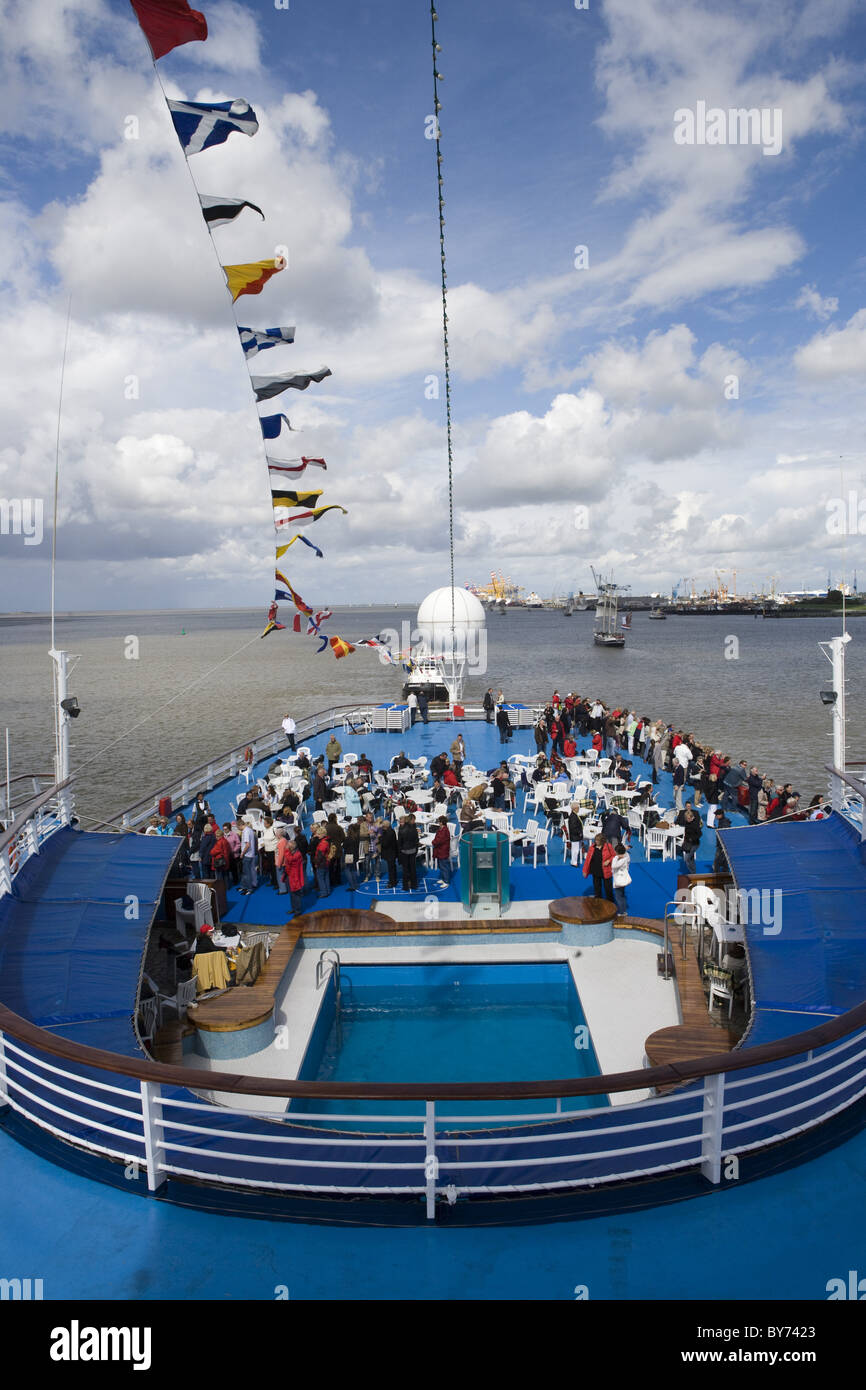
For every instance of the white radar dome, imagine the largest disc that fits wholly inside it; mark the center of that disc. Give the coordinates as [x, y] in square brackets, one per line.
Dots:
[434, 620]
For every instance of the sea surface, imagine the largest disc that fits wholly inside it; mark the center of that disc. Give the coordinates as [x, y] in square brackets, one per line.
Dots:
[203, 682]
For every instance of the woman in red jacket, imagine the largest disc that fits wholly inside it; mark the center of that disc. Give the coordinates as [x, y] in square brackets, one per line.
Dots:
[598, 742]
[442, 849]
[599, 863]
[220, 856]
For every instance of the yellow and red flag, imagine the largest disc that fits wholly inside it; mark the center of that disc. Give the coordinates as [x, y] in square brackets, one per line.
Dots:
[339, 647]
[251, 278]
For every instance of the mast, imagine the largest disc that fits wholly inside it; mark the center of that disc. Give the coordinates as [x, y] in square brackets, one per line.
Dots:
[60, 659]
[834, 650]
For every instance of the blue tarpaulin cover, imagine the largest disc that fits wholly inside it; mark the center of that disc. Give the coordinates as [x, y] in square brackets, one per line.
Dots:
[74, 928]
[814, 967]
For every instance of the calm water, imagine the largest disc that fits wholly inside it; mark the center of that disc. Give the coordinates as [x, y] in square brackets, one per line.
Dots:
[204, 683]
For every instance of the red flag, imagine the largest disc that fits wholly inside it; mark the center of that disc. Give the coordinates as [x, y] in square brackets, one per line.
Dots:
[168, 23]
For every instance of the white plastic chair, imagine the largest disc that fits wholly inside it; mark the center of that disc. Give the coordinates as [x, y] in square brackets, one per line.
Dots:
[539, 842]
[657, 839]
[721, 988]
[148, 1020]
[256, 938]
[181, 1000]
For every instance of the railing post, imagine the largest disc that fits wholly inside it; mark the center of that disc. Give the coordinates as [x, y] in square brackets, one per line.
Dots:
[713, 1123]
[31, 836]
[4, 1095]
[5, 872]
[431, 1162]
[154, 1153]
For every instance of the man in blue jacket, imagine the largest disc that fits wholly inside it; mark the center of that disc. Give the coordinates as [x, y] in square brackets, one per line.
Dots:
[733, 779]
[615, 827]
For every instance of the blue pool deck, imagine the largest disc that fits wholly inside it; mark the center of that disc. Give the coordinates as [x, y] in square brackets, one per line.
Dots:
[653, 883]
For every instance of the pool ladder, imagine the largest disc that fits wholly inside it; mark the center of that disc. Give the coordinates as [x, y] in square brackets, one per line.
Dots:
[330, 957]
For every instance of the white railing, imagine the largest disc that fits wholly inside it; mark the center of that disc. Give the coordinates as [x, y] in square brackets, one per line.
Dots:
[136, 1112]
[848, 792]
[35, 822]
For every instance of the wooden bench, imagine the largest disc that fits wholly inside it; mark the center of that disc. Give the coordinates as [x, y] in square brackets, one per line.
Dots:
[245, 1006]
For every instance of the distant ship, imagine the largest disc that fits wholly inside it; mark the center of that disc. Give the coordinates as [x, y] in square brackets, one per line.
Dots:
[605, 632]
[532, 600]
[657, 613]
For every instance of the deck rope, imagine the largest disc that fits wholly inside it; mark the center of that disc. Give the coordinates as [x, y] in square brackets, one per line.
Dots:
[437, 107]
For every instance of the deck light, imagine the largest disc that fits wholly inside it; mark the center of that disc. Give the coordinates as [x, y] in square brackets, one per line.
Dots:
[828, 697]
[71, 706]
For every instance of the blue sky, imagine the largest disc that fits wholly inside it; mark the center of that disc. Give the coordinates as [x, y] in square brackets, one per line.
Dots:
[601, 389]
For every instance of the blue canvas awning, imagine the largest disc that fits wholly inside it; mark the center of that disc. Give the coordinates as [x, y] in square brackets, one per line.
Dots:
[74, 928]
[813, 879]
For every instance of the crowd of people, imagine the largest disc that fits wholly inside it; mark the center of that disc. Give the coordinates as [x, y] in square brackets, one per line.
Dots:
[369, 846]
[698, 773]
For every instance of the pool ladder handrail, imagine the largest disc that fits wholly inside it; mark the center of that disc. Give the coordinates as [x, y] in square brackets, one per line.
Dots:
[330, 957]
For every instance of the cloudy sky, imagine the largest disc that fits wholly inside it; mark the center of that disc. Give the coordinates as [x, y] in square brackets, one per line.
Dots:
[686, 399]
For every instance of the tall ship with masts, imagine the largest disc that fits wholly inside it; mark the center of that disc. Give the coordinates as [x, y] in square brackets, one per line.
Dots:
[606, 632]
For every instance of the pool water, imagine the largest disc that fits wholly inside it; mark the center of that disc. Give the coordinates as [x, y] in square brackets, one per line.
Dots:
[451, 1023]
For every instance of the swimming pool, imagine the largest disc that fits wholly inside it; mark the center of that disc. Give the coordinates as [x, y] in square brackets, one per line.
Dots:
[440, 1023]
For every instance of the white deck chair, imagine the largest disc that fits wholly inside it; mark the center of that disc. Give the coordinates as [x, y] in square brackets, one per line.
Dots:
[455, 831]
[635, 822]
[540, 842]
[721, 987]
[256, 938]
[180, 1001]
[148, 1020]
[657, 839]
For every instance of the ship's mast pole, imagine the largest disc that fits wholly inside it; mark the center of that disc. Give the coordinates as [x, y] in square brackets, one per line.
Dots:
[8, 817]
[60, 659]
[61, 718]
[834, 650]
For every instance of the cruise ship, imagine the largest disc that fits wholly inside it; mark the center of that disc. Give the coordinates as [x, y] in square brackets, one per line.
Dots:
[577, 1058]
[200, 1070]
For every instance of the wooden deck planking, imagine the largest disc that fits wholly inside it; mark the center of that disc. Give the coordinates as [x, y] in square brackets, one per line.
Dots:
[697, 1035]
